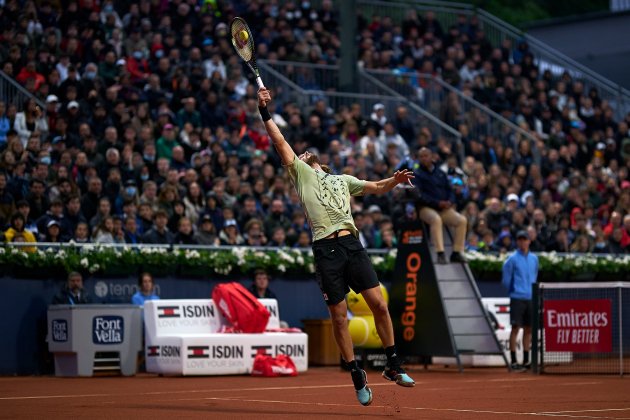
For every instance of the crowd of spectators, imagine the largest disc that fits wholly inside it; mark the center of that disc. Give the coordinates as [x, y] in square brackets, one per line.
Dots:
[151, 132]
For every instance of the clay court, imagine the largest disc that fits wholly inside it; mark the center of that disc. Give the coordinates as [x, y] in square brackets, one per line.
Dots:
[478, 393]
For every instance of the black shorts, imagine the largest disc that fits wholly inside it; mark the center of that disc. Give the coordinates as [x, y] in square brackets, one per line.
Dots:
[521, 312]
[340, 264]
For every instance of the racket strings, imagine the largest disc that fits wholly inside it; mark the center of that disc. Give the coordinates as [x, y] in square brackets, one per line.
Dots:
[244, 49]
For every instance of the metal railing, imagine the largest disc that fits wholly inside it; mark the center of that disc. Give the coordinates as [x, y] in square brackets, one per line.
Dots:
[497, 31]
[452, 106]
[11, 92]
[304, 84]
[168, 247]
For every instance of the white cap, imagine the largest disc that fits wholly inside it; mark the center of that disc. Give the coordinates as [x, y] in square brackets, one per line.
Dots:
[378, 106]
[73, 104]
[51, 98]
[512, 197]
[374, 209]
[121, 62]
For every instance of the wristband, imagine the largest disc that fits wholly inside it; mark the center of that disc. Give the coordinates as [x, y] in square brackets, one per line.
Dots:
[264, 113]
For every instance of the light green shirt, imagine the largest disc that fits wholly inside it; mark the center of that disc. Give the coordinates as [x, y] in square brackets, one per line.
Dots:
[325, 198]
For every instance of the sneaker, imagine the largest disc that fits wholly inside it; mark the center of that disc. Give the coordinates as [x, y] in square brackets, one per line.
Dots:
[515, 367]
[398, 375]
[364, 395]
[526, 366]
[441, 259]
[457, 257]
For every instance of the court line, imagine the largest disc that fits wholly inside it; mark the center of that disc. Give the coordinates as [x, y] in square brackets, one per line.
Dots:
[192, 391]
[587, 410]
[276, 388]
[236, 399]
[456, 410]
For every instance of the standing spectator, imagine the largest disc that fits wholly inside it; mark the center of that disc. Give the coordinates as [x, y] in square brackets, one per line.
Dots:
[146, 290]
[520, 271]
[73, 292]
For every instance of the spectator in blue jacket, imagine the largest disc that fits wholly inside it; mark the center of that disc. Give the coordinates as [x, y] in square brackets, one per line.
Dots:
[520, 271]
[437, 204]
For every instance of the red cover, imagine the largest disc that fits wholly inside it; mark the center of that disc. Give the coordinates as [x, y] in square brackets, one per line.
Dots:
[269, 366]
[240, 308]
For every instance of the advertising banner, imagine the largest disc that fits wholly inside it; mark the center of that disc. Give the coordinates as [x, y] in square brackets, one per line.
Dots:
[583, 326]
[416, 307]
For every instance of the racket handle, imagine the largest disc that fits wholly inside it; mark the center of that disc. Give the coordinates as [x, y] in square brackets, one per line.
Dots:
[259, 82]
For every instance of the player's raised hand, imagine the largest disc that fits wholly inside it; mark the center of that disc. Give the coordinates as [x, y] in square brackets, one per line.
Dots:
[264, 97]
[404, 176]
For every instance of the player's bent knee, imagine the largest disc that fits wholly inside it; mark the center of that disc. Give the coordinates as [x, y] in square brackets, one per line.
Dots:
[339, 321]
[380, 308]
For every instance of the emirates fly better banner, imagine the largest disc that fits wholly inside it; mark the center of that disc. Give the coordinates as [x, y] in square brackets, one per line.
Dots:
[582, 326]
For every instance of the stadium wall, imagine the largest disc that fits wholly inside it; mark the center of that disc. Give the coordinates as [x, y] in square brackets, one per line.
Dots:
[24, 351]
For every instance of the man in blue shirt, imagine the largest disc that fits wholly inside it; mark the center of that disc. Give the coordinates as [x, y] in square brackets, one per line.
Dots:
[520, 271]
[147, 290]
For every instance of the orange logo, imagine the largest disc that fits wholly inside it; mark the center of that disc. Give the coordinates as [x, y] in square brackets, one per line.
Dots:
[412, 237]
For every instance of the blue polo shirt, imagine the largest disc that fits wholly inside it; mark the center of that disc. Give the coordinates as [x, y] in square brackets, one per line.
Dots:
[519, 273]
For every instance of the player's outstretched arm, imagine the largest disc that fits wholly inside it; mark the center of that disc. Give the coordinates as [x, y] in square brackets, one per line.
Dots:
[282, 147]
[386, 185]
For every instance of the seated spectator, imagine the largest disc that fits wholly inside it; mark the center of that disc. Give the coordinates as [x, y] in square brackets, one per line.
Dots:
[130, 231]
[535, 245]
[253, 233]
[7, 202]
[388, 239]
[625, 229]
[104, 232]
[73, 292]
[206, 233]
[582, 243]
[505, 243]
[184, 235]
[52, 233]
[17, 228]
[472, 242]
[260, 285]
[55, 213]
[146, 290]
[615, 242]
[436, 203]
[229, 235]
[303, 240]
[560, 242]
[81, 233]
[278, 237]
[159, 233]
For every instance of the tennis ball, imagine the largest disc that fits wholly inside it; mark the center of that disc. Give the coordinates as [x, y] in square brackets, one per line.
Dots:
[358, 305]
[363, 332]
[243, 36]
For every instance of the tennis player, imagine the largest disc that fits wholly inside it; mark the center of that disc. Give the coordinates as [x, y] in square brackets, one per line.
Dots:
[341, 262]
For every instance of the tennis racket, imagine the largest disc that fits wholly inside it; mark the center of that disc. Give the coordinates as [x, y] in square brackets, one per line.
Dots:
[243, 42]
